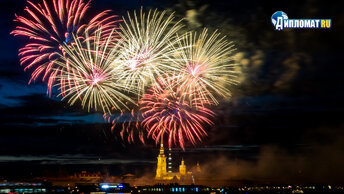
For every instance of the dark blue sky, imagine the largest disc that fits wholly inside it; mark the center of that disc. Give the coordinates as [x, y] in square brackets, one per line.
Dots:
[291, 95]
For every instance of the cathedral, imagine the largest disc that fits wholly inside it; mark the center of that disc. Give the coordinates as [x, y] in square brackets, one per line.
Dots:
[161, 170]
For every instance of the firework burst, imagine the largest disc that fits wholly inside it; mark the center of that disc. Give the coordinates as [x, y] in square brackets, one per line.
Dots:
[207, 66]
[166, 111]
[86, 74]
[146, 46]
[49, 26]
[93, 64]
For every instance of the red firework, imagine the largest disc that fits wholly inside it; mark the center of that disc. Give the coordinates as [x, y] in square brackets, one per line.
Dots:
[165, 110]
[49, 26]
[130, 124]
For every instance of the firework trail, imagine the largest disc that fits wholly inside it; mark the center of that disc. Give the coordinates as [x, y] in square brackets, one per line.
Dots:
[130, 124]
[166, 111]
[146, 47]
[50, 25]
[207, 66]
[87, 75]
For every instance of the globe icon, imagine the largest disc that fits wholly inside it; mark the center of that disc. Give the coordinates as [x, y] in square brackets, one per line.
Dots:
[276, 15]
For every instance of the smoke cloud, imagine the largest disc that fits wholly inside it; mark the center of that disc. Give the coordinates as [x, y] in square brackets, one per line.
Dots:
[318, 162]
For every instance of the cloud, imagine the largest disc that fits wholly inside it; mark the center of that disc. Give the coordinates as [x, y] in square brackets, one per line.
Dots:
[12, 93]
[218, 148]
[70, 159]
[36, 109]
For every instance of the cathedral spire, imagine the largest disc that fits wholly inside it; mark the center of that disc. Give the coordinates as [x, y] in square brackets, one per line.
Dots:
[162, 144]
[161, 172]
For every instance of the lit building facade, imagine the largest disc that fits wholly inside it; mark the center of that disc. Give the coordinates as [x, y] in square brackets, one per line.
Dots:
[164, 166]
[182, 168]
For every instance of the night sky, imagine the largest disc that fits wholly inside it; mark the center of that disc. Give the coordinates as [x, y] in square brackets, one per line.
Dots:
[284, 121]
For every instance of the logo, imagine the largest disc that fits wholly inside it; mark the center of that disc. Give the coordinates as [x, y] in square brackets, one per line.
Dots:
[281, 21]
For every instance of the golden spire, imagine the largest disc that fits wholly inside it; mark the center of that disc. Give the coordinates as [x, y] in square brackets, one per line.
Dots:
[161, 172]
[162, 144]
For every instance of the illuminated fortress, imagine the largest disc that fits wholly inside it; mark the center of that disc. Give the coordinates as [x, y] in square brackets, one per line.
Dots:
[161, 168]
